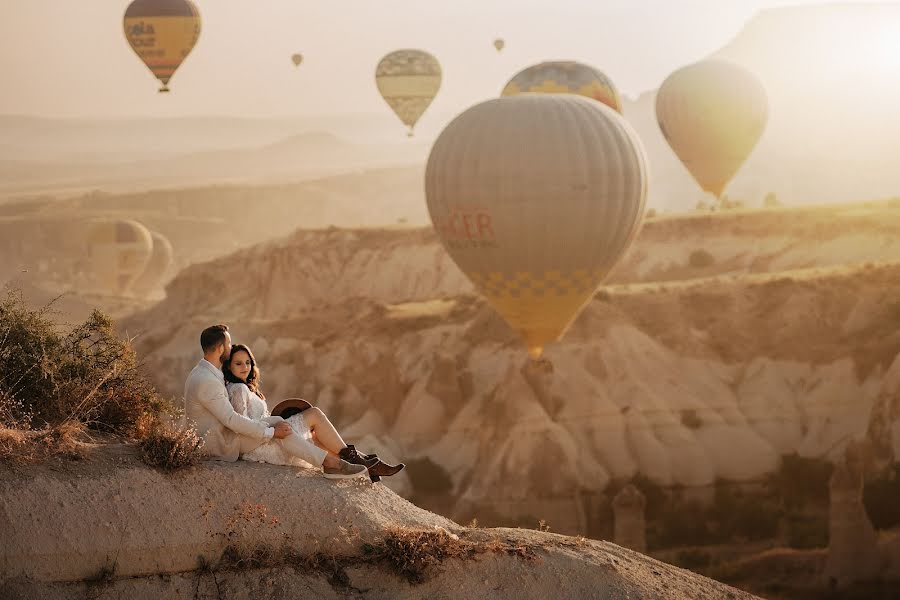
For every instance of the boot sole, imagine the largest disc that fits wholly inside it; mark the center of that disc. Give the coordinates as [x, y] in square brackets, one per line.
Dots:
[342, 476]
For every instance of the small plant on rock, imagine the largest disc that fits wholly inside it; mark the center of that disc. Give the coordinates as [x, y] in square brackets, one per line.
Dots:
[169, 448]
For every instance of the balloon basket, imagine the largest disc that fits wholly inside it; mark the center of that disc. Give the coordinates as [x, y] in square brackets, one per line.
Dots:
[539, 365]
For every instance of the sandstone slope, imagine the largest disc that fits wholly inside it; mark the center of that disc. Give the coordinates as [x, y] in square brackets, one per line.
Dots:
[111, 527]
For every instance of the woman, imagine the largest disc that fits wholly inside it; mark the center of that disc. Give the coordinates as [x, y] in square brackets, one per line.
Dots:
[242, 378]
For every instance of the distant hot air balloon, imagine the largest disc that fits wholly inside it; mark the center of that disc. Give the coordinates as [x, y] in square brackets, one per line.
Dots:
[162, 33]
[565, 77]
[536, 197]
[158, 266]
[118, 251]
[499, 44]
[712, 113]
[296, 59]
[408, 80]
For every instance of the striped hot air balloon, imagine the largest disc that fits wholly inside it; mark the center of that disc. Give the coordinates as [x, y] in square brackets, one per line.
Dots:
[118, 251]
[408, 80]
[162, 33]
[565, 77]
[712, 113]
[536, 197]
[161, 259]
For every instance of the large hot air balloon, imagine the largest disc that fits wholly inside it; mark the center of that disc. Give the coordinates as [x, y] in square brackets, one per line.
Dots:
[158, 266]
[296, 59]
[118, 251]
[499, 44]
[535, 197]
[408, 80]
[162, 33]
[565, 77]
[712, 113]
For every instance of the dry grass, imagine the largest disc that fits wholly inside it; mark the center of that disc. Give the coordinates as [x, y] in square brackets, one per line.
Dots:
[66, 440]
[169, 448]
[701, 259]
[407, 553]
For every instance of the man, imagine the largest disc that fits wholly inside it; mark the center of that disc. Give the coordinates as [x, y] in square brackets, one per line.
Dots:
[228, 434]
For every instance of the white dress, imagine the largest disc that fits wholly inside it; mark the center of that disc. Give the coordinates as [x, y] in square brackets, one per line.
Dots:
[250, 405]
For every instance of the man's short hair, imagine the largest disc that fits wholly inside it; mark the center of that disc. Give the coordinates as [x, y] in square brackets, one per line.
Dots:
[212, 337]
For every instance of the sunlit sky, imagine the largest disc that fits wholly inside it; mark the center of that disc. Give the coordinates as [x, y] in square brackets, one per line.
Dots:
[69, 58]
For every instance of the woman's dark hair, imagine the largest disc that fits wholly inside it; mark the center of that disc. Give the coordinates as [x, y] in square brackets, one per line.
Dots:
[253, 379]
[212, 337]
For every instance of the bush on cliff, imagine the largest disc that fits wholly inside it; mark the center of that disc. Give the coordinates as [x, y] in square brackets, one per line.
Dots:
[86, 378]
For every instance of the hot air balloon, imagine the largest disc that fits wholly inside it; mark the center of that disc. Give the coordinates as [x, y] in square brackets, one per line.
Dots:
[296, 59]
[408, 80]
[162, 33]
[565, 77]
[712, 113]
[160, 262]
[536, 197]
[499, 44]
[118, 251]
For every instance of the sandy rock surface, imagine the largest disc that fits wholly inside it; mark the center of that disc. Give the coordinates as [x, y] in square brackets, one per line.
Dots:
[148, 530]
[68, 524]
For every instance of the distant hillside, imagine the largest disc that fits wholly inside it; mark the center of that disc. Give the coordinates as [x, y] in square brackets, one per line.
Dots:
[96, 141]
[207, 222]
[296, 157]
[780, 338]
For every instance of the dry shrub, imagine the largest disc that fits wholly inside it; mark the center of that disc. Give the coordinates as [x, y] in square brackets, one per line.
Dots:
[406, 552]
[86, 375]
[700, 259]
[169, 448]
[690, 419]
[410, 552]
[260, 557]
[66, 440]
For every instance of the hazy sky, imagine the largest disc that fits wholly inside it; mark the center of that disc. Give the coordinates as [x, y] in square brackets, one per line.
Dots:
[70, 57]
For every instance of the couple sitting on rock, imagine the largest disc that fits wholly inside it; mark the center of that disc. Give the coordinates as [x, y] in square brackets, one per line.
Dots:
[224, 402]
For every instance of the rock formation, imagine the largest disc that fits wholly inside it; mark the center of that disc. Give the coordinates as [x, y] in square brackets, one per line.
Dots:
[853, 553]
[630, 527]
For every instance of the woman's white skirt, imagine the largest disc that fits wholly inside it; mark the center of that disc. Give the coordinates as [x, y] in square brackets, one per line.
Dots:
[272, 453]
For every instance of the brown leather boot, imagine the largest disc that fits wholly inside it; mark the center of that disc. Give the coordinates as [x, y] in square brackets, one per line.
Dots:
[350, 455]
[385, 470]
[377, 469]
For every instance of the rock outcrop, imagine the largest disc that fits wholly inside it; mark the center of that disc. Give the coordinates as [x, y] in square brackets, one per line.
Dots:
[853, 553]
[110, 525]
[630, 524]
[682, 382]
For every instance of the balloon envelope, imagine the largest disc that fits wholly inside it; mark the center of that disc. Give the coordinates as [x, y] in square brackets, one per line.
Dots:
[712, 113]
[499, 44]
[297, 59]
[565, 77]
[408, 80]
[119, 251]
[536, 197]
[162, 33]
[161, 259]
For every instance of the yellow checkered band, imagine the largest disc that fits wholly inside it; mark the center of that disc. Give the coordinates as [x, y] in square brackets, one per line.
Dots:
[538, 306]
[537, 285]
